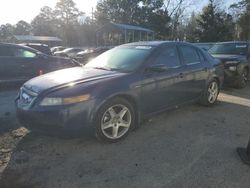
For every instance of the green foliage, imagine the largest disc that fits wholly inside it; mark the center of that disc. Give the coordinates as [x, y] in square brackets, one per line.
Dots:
[22, 28]
[44, 23]
[244, 21]
[166, 17]
[125, 11]
[6, 32]
[215, 25]
[66, 12]
[191, 29]
[147, 13]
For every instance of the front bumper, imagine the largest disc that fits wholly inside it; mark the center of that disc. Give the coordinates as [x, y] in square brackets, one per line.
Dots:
[69, 118]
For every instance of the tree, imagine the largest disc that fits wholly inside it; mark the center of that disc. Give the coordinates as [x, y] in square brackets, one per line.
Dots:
[125, 11]
[242, 10]
[6, 32]
[191, 30]
[67, 16]
[214, 25]
[244, 23]
[147, 13]
[22, 28]
[44, 23]
[66, 12]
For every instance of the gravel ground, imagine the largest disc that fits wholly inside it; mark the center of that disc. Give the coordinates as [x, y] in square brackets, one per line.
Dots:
[192, 146]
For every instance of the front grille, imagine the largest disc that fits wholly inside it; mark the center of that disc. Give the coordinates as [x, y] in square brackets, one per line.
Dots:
[26, 97]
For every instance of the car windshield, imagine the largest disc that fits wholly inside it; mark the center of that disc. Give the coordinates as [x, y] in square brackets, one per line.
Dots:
[229, 48]
[124, 59]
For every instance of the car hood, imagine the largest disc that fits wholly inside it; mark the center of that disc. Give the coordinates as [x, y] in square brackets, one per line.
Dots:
[66, 77]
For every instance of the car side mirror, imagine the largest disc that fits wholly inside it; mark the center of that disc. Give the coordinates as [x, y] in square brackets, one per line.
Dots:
[157, 68]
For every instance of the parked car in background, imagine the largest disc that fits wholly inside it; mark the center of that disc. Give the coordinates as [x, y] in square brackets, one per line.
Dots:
[20, 63]
[85, 56]
[236, 59]
[113, 92]
[40, 47]
[68, 52]
[204, 46]
[57, 49]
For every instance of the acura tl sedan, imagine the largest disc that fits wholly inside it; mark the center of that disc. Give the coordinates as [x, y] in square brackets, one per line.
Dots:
[115, 91]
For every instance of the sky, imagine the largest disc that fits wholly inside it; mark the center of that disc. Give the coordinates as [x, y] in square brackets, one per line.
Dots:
[11, 11]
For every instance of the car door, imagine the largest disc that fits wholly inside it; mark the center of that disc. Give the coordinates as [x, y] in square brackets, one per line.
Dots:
[195, 71]
[10, 69]
[28, 62]
[163, 88]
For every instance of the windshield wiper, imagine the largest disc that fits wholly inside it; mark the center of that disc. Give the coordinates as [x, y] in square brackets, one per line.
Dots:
[109, 69]
[103, 68]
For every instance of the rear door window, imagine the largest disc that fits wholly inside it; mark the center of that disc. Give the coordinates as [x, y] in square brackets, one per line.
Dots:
[169, 57]
[190, 55]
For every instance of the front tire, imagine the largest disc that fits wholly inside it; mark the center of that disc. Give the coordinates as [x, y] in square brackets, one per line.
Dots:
[114, 120]
[211, 93]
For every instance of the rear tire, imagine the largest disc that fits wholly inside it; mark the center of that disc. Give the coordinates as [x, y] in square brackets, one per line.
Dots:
[242, 81]
[211, 93]
[114, 120]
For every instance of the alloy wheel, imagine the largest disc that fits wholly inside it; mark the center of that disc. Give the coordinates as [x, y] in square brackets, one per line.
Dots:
[116, 121]
[213, 91]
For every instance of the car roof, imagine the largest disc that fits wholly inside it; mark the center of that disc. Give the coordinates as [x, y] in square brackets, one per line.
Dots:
[18, 45]
[155, 43]
[34, 44]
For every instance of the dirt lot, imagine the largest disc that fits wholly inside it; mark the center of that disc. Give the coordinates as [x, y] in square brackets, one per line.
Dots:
[192, 146]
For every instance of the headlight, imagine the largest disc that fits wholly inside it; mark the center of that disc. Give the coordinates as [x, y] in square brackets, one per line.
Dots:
[231, 62]
[48, 101]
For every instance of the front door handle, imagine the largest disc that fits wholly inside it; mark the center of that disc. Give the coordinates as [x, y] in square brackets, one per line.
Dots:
[181, 75]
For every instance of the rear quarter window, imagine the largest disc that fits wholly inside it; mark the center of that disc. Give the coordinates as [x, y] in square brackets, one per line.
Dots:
[5, 51]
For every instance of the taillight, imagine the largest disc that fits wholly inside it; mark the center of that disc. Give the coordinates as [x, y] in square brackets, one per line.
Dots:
[40, 72]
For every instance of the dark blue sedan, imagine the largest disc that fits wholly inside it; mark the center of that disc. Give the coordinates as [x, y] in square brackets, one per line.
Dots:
[116, 90]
